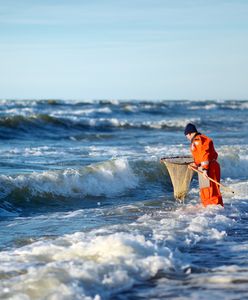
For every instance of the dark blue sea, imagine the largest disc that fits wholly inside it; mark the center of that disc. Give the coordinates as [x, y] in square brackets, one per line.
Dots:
[87, 210]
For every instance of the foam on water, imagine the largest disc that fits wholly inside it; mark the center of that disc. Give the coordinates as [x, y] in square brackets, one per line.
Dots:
[79, 113]
[103, 262]
[173, 123]
[206, 107]
[160, 151]
[88, 264]
[34, 151]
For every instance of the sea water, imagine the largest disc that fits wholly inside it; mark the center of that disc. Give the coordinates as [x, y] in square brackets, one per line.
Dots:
[87, 210]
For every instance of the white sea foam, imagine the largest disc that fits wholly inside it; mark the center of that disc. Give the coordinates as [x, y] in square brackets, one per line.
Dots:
[23, 111]
[180, 123]
[84, 264]
[130, 108]
[12, 103]
[102, 262]
[114, 152]
[206, 106]
[36, 151]
[77, 113]
[105, 122]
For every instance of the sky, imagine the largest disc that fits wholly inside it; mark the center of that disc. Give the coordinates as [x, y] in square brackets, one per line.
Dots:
[124, 49]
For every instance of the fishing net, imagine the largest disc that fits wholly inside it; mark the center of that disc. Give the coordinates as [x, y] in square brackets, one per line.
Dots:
[179, 173]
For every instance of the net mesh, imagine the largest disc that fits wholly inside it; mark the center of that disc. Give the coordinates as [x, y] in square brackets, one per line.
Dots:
[180, 174]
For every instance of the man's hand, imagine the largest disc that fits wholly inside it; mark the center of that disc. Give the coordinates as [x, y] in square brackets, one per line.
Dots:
[205, 173]
[192, 165]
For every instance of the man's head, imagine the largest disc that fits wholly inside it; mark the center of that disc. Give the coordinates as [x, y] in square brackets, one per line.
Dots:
[190, 130]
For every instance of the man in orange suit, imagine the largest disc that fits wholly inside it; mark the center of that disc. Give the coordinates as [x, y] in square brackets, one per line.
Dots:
[205, 160]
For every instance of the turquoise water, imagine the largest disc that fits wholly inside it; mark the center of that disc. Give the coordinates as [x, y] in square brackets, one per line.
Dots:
[87, 210]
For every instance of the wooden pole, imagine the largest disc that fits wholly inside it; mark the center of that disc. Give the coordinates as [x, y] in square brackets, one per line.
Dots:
[211, 179]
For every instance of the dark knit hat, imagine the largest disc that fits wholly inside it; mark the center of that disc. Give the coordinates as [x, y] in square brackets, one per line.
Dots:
[190, 128]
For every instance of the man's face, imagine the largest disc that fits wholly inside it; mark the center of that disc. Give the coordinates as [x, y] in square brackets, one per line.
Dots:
[188, 136]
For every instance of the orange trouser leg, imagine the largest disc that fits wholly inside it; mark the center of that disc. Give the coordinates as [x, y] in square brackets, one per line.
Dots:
[211, 195]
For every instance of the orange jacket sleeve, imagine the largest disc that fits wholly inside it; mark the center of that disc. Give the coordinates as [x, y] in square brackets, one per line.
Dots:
[205, 153]
[201, 147]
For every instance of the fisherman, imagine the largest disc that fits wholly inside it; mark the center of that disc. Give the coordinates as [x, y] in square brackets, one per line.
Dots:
[205, 161]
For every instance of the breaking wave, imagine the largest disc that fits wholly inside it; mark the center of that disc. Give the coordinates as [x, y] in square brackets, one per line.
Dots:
[50, 126]
[112, 178]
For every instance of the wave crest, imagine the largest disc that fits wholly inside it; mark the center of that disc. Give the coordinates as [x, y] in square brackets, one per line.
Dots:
[110, 178]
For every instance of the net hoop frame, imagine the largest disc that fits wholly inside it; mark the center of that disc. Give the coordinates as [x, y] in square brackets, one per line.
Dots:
[168, 158]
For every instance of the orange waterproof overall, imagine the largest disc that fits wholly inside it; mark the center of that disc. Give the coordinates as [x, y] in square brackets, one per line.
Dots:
[205, 157]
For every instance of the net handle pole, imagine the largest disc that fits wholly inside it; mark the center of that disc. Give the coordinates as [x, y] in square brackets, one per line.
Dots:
[211, 179]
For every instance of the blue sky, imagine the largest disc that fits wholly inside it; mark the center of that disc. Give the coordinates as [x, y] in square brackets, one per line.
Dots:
[124, 49]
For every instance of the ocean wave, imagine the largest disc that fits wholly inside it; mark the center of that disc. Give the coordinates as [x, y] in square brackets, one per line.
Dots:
[107, 179]
[51, 125]
[21, 121]
[36, 124]
[117, 123]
